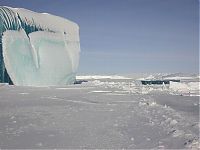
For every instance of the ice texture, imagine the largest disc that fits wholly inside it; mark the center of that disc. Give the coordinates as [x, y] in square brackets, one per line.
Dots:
[37, 49]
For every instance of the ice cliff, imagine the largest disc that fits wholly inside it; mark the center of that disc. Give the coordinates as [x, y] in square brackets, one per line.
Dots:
[37, 49]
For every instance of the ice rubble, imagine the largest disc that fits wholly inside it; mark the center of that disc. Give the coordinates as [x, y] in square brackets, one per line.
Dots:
[37, 49]
[89, 77]
[188, 86]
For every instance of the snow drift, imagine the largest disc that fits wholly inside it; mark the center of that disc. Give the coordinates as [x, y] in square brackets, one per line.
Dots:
[37, 49]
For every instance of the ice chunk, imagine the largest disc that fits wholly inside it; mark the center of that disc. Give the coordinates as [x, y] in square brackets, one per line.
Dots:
[186, 87]
[37, 49]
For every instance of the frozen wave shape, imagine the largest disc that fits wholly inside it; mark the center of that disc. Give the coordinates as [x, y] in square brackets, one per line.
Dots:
[37, 49]
[42, 60]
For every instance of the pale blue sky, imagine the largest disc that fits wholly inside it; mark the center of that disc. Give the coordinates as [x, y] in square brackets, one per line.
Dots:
[130, 36]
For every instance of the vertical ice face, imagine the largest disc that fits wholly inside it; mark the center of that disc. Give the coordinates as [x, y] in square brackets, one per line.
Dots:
[8, 21]
[37, 49]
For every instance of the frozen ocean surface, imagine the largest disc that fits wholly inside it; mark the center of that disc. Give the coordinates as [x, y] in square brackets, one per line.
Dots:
[105, 112]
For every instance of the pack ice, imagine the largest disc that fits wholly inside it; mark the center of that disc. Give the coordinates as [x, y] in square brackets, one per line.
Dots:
[37, 49]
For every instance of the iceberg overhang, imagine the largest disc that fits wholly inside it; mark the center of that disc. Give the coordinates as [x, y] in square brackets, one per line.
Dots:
[37, 49]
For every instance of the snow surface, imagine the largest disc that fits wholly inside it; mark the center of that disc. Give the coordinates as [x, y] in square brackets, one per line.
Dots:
[100, 113]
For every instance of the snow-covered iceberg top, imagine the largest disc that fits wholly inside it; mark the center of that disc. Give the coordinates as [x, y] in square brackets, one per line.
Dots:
[37, 49]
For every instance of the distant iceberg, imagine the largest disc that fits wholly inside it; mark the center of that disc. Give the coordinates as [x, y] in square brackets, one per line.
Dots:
[37, 49]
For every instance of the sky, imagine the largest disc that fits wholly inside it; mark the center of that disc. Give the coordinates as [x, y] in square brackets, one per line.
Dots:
[130, 36]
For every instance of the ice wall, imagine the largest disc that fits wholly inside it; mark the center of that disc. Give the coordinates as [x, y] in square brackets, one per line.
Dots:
[37, 49]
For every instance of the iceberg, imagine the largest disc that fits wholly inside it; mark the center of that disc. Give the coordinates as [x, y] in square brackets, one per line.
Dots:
[37, 49]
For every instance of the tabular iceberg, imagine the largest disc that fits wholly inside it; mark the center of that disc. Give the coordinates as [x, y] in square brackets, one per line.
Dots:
[37, 49]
